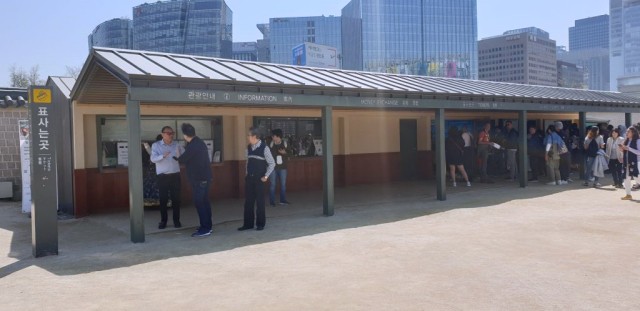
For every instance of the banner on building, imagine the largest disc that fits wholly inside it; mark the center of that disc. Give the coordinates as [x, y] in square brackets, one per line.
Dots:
[25, 165]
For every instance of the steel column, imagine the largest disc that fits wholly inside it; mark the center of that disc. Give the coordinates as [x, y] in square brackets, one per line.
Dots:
[522, 148]
[441, 163]
[327, 161]
[136, 194]
[627, 120]
[582, 123]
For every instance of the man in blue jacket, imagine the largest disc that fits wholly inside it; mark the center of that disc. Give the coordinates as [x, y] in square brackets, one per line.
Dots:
[196, 160]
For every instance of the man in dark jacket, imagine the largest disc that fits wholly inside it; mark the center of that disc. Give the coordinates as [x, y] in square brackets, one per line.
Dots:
[196, 160]
[535, 149]
[260, 164]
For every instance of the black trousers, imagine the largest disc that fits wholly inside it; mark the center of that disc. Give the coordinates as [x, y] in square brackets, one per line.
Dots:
[565, 165]
[254, 196]
[169, 185]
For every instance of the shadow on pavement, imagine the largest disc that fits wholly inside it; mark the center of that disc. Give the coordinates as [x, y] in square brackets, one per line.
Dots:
[98, 243]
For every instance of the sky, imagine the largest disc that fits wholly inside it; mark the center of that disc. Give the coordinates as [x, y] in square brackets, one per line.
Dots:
[53, 34]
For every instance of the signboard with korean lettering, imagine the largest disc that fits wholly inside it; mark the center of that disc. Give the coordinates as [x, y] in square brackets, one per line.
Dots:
[315, 55]
[25, 164]
[44, 180]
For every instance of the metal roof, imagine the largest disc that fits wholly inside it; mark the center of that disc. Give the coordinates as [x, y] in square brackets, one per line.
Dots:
[129, 66]
[64, 84]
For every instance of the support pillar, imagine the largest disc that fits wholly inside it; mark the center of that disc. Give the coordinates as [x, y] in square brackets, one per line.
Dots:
[441, 163]
[136, 193]
[523, 158]
[582, 120]
[327, 161]
[627, 120]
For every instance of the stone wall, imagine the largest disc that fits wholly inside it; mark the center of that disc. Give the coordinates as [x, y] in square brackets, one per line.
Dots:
[10, 145]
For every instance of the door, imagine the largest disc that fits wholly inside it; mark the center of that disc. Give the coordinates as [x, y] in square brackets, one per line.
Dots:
[409, 149]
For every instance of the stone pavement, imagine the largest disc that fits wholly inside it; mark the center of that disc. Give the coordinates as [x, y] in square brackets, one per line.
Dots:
[393, 247]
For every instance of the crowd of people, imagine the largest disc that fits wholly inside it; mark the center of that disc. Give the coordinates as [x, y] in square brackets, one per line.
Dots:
[553, 153]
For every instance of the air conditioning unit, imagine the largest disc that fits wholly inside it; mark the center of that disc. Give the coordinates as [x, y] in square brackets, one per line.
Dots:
[6, 189]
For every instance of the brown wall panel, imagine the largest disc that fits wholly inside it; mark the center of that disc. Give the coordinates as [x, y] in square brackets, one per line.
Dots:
[97, 192]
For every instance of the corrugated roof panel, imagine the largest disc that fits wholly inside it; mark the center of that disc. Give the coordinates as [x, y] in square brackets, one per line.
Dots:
[358, 80]
[308, 76]
[378, 80]
[306, 80]
[200, 68]
[249, 72]
[169, 65]
[227, 71]
[174, 66]
[337, 80]
[120, 63]
[145, 64]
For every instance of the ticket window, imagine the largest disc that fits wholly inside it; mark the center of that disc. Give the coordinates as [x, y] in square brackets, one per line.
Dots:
[113, 137]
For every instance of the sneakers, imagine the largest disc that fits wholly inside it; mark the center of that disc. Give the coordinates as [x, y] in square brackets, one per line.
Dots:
[201, 233]
[563, 182]
[626, 197]
[243, 228]
[284, 203]
[454, 184]
[468, 184]
[553, 183]
[569, 180]
[597, 185]
[162, 225]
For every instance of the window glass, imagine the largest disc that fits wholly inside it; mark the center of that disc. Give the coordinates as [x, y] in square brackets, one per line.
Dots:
[114, 135]
[303, 135]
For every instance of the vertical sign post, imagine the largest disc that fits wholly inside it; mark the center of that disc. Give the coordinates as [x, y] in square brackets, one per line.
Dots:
[44, 179]
[25, 164]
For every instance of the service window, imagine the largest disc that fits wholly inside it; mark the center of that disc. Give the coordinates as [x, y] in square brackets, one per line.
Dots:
[113, 136]
[303, 135]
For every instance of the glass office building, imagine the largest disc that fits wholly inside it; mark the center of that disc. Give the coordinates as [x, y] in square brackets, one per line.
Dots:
[115, 33]
[195, 27]
[589, 33]
[285, 33]
[624, 43]
[418, 37]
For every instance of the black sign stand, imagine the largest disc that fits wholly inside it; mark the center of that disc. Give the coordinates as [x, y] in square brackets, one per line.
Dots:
[44, 179]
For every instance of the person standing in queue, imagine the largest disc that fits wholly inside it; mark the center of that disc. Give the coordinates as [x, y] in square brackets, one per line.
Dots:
[163, 154]
[484, 142]
[279, 152]
[260, 164]
[198, 165]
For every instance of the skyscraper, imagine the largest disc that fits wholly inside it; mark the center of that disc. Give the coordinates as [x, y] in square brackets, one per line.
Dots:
[289, 32]
[264, 44]
[595, 62]
[426, 37]
[571, 75]
[519, 56]
[589, 33]
[195, 27]
[624, 43]
[115, 33]
[245, 51]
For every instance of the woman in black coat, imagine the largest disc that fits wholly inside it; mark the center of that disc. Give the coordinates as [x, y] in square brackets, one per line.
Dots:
[454, 152]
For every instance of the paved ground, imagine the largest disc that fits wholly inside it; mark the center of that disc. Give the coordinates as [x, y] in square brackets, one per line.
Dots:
[486, 248]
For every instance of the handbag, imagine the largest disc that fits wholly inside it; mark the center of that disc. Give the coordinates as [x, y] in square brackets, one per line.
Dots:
[563, 149]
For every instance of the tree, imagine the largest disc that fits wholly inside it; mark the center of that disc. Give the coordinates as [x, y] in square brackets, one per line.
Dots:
[18, 77]
[73, 71]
